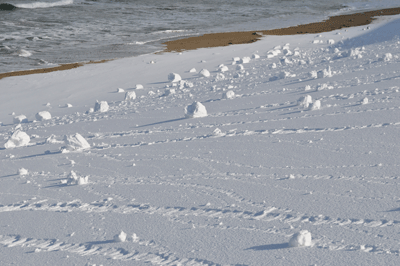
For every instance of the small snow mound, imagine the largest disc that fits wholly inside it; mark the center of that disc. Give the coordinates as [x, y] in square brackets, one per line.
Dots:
[139, 86]
[364, 101]
[228, 95]
[52, 139]
[272, 66]
[255, 56]
[43, 115]
[236, 59]
[330, 41]
[121, 237]
[218, 132]
[315, 105]
[195, 110]
[287, 52]
[20, 119]
[74, 179]
[307, 88]
[301, 239]
[120, 90]
[204, 73]
[18, 139]
[22, 171]
[193, 70]
[245, 60]
[285, 62]
[304, 101]
[173, 77]
[135, 238]
[101, 107]
[130, 96]
[68, 105]
[76, 142]
[313, 74]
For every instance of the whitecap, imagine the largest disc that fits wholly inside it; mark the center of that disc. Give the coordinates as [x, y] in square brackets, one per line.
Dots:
[45, 4]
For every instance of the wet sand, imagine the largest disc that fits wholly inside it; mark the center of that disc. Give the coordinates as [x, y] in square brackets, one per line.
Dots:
[229, 38]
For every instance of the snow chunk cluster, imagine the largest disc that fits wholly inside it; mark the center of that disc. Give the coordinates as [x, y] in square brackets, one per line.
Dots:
[74, 179]
[301, 239]
[195, 110]
[130, 96]
[18, 139]
[204, 73]
[304, 101]
[121, 237]
[228, 95]
[43, 115]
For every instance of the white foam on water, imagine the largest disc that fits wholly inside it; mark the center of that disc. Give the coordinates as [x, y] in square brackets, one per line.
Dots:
[45, 4]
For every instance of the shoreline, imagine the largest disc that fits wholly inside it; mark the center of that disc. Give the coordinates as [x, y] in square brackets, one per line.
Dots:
[229, 38]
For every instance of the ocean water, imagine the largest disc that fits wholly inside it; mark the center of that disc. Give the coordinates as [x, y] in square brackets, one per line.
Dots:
[46, 33]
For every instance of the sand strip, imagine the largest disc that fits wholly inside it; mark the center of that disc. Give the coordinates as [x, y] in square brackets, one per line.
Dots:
[228, 38]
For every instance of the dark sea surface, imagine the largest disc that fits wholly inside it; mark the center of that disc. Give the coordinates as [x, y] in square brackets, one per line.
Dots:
[46, 33]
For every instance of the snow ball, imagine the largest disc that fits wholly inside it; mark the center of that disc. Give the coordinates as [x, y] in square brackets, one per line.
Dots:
[315, 105]
[237, 75]
[194, 110]
[330, 41]
[121, 237]
[173, 77]
[255, 56]
[228, 95]
[386, 58]
[324, 73]
[364, 101]
[76, 142]
[18, 139]
[278, 47]
[130, 96]
[43, 115]
[20, 119]
[219, 77]
[91, 110]
[284, 74]
[245, 60]
[301, 239]
[68, 105]
[204, 73]
[223, 68]
[193, 70]
[120, 90]
[315, 41]
[239, 67]
[139, 87]
[217, 132]
[272, 66]
[101, 107]
[307, 88]
[304, 101]
[169, 92]
[22, 171]
[135, 238]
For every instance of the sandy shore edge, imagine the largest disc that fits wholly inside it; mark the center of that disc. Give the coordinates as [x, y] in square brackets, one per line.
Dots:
[229, 38]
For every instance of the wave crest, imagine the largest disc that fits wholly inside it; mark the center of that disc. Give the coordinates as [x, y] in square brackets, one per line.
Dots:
[45, 4]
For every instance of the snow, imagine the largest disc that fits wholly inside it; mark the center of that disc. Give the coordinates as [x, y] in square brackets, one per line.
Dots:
[20, 119]
[202, 180]
[130, 96]
[43, 115]
[204, 73]
[174, 77]
[101, 107]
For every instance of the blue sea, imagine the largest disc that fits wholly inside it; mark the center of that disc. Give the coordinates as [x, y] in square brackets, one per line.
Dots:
[45, 33]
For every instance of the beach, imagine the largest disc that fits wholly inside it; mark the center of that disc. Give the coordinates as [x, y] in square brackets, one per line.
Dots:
[249, 148]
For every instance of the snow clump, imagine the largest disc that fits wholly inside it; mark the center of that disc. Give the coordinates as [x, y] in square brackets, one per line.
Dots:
[228, 95]
[173, 77]
[324, 73]
[130, 96]
[386, 58]
[20, 119]
[304, 101]
[139, 86]
[43, 115]
[101, 107]
[121, 237]
[120, 90]
[22, 171]
[75, 143]
[301, 239]
[193, 70]
[315, 105]
[255, 56]
[364, 101]
[245, 60]
[169, 92]
[219, 77]
[239, 67]
[18, 139]
[195, 110]
[74, 179]
[204, 73]
[223, 68]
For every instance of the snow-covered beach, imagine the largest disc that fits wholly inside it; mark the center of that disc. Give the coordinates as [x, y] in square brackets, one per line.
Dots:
[284, 152]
